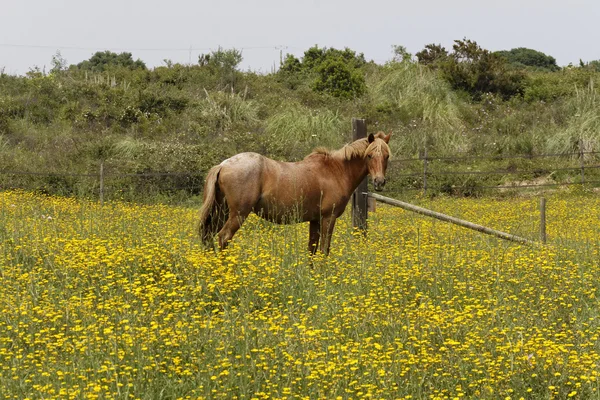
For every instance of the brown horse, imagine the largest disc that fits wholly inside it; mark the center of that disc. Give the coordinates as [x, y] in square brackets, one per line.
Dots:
[315, 189]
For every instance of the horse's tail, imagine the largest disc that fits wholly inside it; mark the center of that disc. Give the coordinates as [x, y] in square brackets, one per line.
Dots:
[208, 203]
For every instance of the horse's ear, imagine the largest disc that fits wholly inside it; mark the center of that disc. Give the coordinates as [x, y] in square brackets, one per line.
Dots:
[371, 138]
[387, 137]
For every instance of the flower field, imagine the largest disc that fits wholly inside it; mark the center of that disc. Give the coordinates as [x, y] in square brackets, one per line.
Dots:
[122, 302]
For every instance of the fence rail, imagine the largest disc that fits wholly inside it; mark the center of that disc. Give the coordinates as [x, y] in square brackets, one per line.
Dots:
[495, 157]
[191, 182]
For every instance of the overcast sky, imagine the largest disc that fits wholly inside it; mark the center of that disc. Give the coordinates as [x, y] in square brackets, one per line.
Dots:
[31, 31]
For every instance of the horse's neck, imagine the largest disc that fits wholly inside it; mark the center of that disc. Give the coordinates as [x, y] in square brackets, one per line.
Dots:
[356, 170]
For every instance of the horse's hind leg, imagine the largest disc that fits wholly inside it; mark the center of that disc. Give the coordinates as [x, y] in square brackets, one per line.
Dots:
[313, 236]
[234, 222]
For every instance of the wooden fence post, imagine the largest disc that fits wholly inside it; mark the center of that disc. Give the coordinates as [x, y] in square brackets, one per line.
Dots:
[425, 171]
[543, 220]
[359, 197]
[581, 161]
[102, 183]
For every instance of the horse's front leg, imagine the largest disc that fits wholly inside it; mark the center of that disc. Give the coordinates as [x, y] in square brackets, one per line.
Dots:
[327, 225]
[313, 237]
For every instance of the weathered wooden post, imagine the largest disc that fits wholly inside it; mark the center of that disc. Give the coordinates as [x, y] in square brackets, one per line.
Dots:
[359, 197]
[543, 220]
[102, 182]
[582, 161]
[425, 170]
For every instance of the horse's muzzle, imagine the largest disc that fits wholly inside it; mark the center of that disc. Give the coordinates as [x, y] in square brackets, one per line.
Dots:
[379, 183]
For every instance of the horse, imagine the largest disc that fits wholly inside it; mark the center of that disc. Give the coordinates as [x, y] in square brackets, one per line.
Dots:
[315, 189]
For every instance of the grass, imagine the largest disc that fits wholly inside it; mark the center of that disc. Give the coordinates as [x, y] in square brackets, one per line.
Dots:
[120, 302]
[296, 130]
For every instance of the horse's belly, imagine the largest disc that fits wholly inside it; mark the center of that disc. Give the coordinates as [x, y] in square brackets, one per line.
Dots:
[282, 213]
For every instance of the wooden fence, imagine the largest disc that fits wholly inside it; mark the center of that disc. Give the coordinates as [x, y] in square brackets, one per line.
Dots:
[361, 195]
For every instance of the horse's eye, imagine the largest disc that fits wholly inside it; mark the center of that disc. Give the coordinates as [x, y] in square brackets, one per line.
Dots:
[370, 155]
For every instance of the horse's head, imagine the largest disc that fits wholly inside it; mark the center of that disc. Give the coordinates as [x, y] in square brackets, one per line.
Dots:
[377, 155]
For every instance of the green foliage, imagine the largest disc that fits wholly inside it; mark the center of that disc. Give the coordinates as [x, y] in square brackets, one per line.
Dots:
[582, 132]
[220, 111]
[335, 72]
[474, 70]
[450, 103]
[592, 65]
[432, 54]
[523, 57]
[103, 60]
[222, 63]
[552, 86]
[296, 130]
[59, 64]
[334, 77]
[291, 64]
[315, 57]
[423, 101]
[400, 54]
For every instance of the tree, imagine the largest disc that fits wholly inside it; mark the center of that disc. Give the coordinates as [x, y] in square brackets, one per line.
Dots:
[315, 56]
[592, 65]
[336, 72]
[473, 69]
[401, 54]
[102, 60]
[338, 79]
[58, 63]
[221, 59]
[291, 64]
[431, 54]
[223, 63]
[523, 57]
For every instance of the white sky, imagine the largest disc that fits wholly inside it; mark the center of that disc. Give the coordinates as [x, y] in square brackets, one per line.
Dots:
[31, 31]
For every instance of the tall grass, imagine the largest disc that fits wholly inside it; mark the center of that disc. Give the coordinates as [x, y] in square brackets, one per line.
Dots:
[418, 94]
[582, 131]
[222, 110]
[296, 130]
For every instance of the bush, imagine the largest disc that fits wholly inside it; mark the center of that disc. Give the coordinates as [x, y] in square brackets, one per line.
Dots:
[522, 57]
[102, 60]
[473, 69]
[337, 72]
[551, 86]
[334, 77]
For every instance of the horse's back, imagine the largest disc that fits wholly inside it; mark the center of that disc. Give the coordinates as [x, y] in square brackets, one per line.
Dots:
[241, 172]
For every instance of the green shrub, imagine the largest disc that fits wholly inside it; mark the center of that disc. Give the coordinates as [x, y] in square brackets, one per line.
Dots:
[102, 60]
[473, 69]
[334, 77]
[522, 57]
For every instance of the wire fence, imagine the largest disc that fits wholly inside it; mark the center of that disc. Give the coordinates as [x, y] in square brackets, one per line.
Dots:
[433, 174]
[461, 174]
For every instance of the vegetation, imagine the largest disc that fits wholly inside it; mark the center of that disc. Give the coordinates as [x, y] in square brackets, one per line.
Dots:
[103, 60]
[185, 118]
[473, 69]
[121, 302]
[528, 58]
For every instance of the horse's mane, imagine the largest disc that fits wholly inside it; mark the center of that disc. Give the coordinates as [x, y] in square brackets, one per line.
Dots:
[357, 149]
